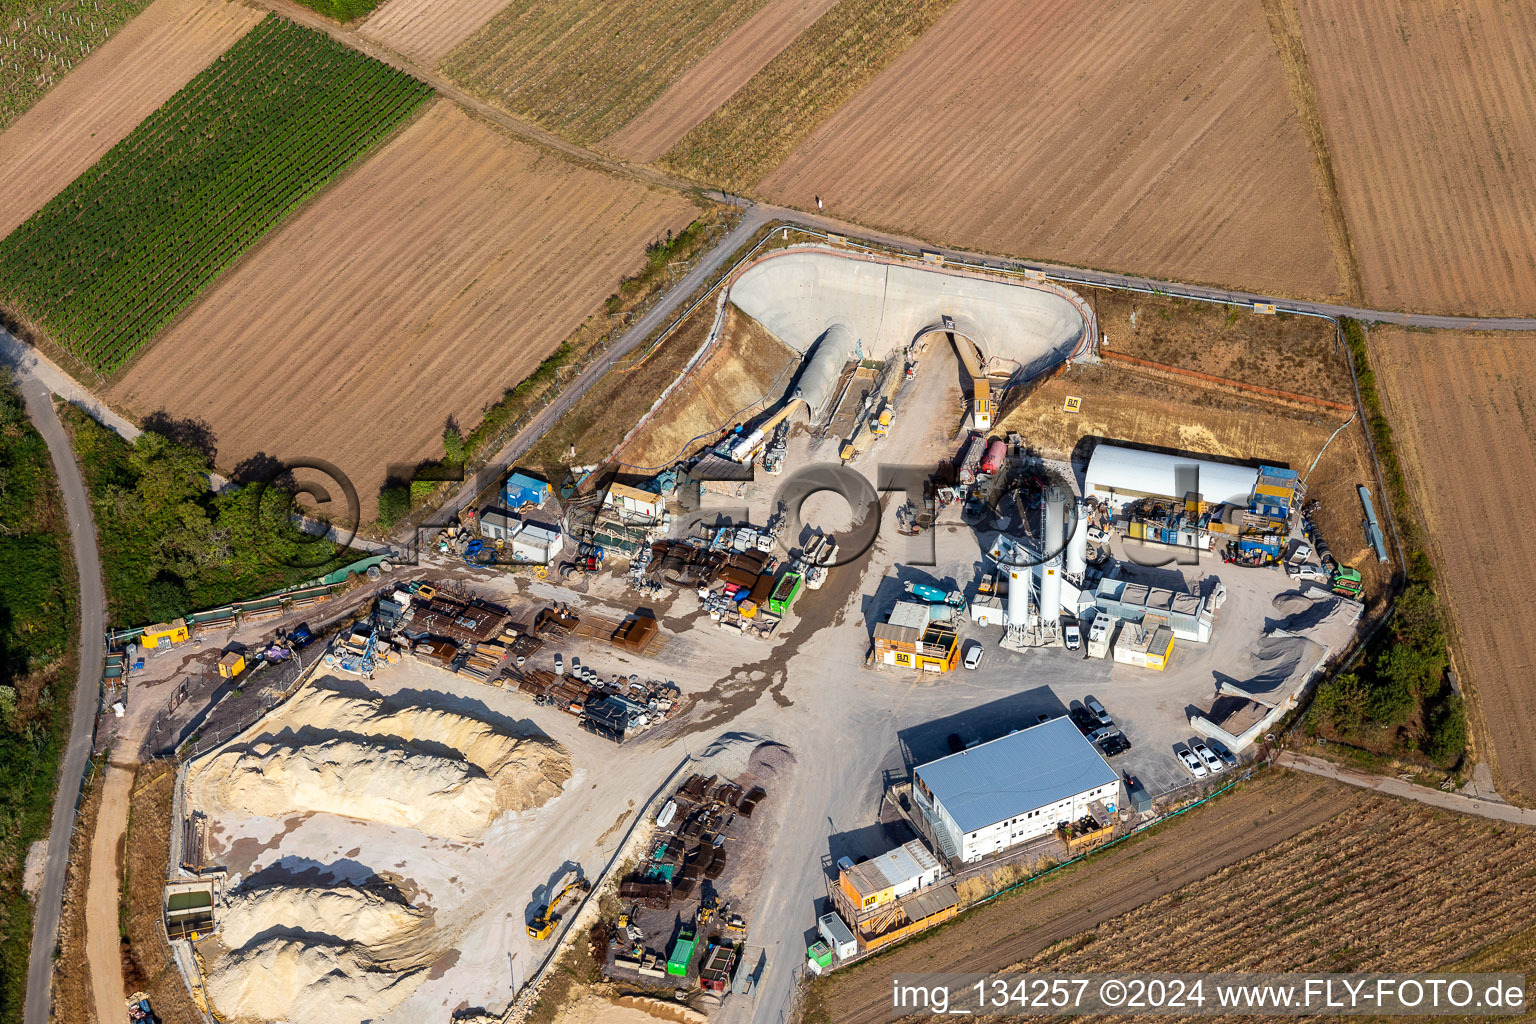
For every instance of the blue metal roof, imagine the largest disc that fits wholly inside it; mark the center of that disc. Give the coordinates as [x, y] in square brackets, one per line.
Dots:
[1015, 774]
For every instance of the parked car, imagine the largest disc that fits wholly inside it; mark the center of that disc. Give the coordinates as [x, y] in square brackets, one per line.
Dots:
[1308, 571]
[1084, 720]
[1228, 758]
[1073, 637]
[1098, 535]
[1114, 744]
[1193, 763]
[972, 654]
[1100, 733]
[1098, 711]
[1204, 753]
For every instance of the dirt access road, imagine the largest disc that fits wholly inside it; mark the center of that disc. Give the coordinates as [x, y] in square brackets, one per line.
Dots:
[1267, 811]
[1410, 791]
[93, 621]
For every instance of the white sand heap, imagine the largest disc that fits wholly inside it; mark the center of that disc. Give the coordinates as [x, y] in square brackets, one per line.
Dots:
[443, 772]
[345, 912]
[290, 979]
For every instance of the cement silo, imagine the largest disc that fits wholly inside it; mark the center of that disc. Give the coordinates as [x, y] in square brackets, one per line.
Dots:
[1077, 544]
[1056, 499]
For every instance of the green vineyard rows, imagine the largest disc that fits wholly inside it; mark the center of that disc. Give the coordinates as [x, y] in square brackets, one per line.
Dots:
[43, 40]
[132, 242]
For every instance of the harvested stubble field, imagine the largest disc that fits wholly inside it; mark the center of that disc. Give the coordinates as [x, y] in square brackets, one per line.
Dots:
[1159, 138]
[1299, 354]
[1142, 406]
[425, 30]
[1430, 115]
[125, 80]
[784, 102]
[1233, 828]
[312, 347]
[129, 245]
[713, 80]
[42, 43]
[585, 67]
[744, 373]
[1387, 885]
[1463, 414]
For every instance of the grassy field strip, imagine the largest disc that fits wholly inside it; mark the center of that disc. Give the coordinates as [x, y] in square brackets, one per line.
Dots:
[126, 247]
[783, 103]
[584, 68]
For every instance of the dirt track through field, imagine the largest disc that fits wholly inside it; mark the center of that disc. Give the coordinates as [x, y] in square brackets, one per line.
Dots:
[1153, 137]
[714, 79]
[424, 30]
[428, 281]
[99, 103]
[1010, 930]
[1463, 411]
[1430, 113]
[102, 952]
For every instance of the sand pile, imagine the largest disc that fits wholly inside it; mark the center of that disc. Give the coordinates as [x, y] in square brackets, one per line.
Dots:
[347, 912]
[289, 979]
[444, 772]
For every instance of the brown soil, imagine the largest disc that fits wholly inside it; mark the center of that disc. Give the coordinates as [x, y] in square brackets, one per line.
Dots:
[1430, 114]
[99, 103]
[714, 79]
[745, 373]
[1300, 354]
[1230, 829]
[1124, 403]
[1463, 413]
[1154, 137]
[1349, 896]
[425, 30]
[148, 959]
[102, 948]
[435, 276]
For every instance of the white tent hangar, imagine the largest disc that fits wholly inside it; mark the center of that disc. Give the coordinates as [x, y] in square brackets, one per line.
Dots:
[1123, 475]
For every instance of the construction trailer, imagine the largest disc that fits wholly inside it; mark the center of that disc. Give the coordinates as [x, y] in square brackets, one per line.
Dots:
[934, 647]
[839, 937]
[521, 539]
[232, 664]
[1190, 617]
[681, 958]
[523, 490]
[1144, 647]
[165, 634]
[894, 895]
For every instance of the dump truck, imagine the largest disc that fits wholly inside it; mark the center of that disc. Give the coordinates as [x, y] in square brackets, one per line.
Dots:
[548, 917]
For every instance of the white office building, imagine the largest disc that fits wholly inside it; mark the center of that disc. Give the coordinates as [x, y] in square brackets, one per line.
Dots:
[997, 795]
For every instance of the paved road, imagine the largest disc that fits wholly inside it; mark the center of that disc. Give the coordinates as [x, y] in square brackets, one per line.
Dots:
[1409, 791]
[93, 622]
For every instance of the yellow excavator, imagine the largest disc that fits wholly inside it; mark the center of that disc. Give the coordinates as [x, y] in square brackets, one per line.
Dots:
[549, 916]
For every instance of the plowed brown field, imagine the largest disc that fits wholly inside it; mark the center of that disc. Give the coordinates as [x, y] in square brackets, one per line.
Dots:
[424, 30]
[1230, 829]
[1463, 411]
[1158, 137]
[714, 79]
[1391, 886]
[1429, 109]
[96, 105]
[421, 286]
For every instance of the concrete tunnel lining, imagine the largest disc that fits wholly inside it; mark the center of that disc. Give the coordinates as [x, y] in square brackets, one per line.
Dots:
[800, 295]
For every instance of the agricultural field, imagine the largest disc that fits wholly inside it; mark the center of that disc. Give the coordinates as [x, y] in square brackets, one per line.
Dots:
[1387, 886]
[312, 348]
[714, 79]
[584, 68]
[1461, 408]
[1159, 138]
[42, 42]
[341, 10]
[125, 248]
[745, 372]
[127, 79]
[1429, 110]
[1258, 815]
[797, 90]
[425, 30]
